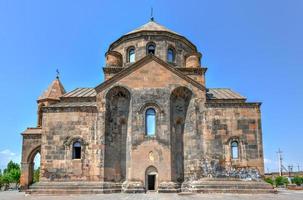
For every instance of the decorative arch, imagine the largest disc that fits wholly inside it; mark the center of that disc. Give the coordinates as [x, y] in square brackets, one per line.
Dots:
[116, 121]
[179, 102]
[151, 104]
[68, 144]
[238, 148]
[151, 48]
[33, 153]
[131, 54]
[69, 140]
[171, 54]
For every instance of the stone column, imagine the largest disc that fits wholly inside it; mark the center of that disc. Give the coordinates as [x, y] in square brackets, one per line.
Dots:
[26, 175]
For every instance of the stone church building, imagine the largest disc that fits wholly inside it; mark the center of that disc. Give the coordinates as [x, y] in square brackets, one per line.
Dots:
[152, 125]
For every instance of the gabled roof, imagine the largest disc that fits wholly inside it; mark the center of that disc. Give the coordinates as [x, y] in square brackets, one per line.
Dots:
[141, 63]
[151, 26]
[212, 94]
[223, 93]
[54, 91]
[81, 92]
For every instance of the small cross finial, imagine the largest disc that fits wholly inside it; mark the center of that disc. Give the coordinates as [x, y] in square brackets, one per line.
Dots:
[58, 74]
[151, 14]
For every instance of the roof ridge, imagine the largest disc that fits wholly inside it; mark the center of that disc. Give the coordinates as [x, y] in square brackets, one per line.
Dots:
[151, 26]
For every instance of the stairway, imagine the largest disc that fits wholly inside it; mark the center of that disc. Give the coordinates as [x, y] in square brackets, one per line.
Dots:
[227, 186]
[76, 187]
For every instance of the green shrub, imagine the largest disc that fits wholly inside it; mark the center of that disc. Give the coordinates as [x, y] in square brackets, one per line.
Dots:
[297, 180]
[281, 180]
[269, 180]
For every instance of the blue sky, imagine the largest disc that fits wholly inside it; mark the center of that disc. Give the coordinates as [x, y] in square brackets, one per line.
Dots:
[254, 47]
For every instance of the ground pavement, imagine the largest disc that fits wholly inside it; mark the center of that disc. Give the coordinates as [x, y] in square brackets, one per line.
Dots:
[282, 195]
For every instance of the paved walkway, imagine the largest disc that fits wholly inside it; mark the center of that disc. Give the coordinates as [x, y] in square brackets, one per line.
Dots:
[283, 195]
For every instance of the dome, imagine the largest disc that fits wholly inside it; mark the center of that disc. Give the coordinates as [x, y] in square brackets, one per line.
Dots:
[166, 44]
[151, 26]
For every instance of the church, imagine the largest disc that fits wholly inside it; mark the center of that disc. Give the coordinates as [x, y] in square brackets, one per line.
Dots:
[152, 125]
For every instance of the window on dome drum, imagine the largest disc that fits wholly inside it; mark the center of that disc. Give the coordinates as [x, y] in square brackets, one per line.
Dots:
[170, 55]
[234, 150]
[76, 150]
[151, 49]
[131, 55]
[150, 121]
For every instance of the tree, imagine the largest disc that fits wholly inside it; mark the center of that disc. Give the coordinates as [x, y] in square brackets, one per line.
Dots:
[6, 181]
[10, 166]
[11, 174]
[1, 182]
[36, 175]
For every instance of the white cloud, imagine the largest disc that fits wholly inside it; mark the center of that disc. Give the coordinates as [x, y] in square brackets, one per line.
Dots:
[7, 155]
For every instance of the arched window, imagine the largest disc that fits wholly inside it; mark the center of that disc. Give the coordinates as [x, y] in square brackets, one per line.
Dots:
[150, 121]
[77, 150]
[170, 55]
[131, 55]
[234, 150]
[151, 49]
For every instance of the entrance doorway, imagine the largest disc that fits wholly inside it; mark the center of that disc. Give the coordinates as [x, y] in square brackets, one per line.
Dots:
[151, 176]
[151, 180]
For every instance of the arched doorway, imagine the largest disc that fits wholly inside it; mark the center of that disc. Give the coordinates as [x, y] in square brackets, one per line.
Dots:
[34, 166]
[151, 179]
[36, 169]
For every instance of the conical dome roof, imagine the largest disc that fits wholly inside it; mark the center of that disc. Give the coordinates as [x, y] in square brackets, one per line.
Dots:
[151, 26]
[53, 92]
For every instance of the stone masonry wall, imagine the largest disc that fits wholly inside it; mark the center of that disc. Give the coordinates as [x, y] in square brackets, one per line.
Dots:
[61, 127]
[227, 123]
[152, 86]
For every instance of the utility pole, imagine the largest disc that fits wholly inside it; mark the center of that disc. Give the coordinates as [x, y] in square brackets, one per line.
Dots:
[279, 152]
[290, 167]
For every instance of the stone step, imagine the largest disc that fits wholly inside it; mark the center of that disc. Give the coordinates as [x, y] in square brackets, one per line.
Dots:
[219, 186]
[227, 186]
[62, 191]
[237, 191]
[58, 188]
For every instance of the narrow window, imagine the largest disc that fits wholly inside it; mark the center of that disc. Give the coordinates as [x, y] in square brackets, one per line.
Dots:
[76, 150]
[170, 55]
[131, 55]
[234, 150]
[151, 48]
[150, 121]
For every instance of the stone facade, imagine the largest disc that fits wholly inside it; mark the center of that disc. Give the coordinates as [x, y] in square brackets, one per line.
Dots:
[194, 125]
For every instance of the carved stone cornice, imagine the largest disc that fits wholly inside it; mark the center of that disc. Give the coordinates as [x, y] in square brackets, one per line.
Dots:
[192, 71]
[112, 70]
[141, 34]
[233, 105]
